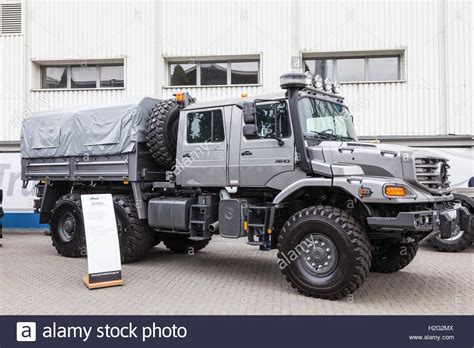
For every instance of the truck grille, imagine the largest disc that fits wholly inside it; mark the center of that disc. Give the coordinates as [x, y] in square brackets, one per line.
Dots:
[432, 173]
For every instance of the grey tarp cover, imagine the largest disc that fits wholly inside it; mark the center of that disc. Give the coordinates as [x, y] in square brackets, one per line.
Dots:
[93, 130]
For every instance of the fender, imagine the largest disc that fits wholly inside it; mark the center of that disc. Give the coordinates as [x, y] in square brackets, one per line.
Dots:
[466, 198]
[301, 184]
[309, 182]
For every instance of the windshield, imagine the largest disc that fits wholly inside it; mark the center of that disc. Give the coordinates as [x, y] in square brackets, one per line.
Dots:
[327, 120]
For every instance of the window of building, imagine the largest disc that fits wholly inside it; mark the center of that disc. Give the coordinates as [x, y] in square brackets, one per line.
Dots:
[54, 77]
[111, 76]
[183, 74]
[243, 73]
[273, 120]
[82, 76]
[205, 126]
[214, 73]
[356, 69]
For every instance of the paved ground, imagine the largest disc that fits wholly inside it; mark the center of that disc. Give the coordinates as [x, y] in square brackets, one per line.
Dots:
[228, 277]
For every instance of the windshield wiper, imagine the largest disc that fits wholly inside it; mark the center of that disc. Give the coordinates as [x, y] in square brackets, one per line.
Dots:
[323, 135]
[329, 136]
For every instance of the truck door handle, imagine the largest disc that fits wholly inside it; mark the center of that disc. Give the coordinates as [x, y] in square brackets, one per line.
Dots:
[186, 155]
[348, 149]
[246, 153]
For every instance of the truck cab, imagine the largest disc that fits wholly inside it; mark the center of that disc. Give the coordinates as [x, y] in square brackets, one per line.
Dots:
[214, 151]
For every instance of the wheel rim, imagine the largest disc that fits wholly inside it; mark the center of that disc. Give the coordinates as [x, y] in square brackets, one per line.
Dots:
[319, 255]
[67, 227]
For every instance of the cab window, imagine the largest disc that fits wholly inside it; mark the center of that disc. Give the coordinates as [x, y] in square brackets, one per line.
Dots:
[205, 126]
[273, 120]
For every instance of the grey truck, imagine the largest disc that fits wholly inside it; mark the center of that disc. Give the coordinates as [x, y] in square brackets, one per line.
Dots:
[283, 171]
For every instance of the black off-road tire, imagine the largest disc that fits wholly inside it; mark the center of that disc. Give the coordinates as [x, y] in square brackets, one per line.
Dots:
[181, 244]
[455, 244]
[67, 226]
[393, 257]
[460, 241]
[135, 236]
[350, 249]
[162, 132]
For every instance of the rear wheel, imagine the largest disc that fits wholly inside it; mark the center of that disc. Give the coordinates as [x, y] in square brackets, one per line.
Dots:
[135, 236]
[323, 252]
[67, 226]
[392, 257]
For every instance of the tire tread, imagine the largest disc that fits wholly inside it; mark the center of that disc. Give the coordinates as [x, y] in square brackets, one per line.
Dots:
[358, 237]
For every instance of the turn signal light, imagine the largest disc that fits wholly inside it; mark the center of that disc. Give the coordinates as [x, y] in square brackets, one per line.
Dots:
[179, 97]
[395, 191]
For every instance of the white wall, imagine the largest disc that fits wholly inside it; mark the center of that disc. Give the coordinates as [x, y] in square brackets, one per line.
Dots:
[86, 30]
[12, 86]
[15, 198]
[145, 32]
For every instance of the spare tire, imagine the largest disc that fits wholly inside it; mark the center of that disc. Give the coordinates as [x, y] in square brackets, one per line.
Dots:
[162, 132]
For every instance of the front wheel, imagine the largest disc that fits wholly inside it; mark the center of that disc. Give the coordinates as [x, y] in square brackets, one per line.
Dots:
[323, 252]
[392, 257]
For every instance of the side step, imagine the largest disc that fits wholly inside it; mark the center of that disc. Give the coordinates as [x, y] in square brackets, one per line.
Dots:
[202, 215]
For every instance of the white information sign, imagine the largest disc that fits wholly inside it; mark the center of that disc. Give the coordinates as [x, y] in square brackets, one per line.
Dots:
[103, 251]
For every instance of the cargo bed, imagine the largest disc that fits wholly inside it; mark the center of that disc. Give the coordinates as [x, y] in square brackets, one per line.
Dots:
[134, 166]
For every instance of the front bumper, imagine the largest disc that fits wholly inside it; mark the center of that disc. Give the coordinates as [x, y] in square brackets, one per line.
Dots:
[427, 222]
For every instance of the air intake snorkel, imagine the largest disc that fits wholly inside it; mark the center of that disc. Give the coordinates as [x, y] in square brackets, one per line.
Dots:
[294, 82]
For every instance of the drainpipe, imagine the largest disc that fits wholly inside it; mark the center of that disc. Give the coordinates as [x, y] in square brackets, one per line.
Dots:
[295, 36]
[443, 67]
[158, 58]
[26, 57]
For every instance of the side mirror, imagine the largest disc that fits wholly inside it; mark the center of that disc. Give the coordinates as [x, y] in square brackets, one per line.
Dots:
[250, 131]
[249, 112]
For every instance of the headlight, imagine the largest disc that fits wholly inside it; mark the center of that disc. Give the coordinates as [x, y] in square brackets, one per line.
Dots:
[318, 82]
[336, 87]
[327, 85]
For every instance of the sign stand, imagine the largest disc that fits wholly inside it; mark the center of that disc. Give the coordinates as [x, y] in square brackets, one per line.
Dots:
[92, 286]
[103, 250]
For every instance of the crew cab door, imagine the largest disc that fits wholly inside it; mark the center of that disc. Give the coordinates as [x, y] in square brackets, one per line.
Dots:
[201, 158]
[262, 158]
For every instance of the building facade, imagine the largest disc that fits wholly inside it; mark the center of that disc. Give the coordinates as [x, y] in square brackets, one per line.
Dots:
[406, 67]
